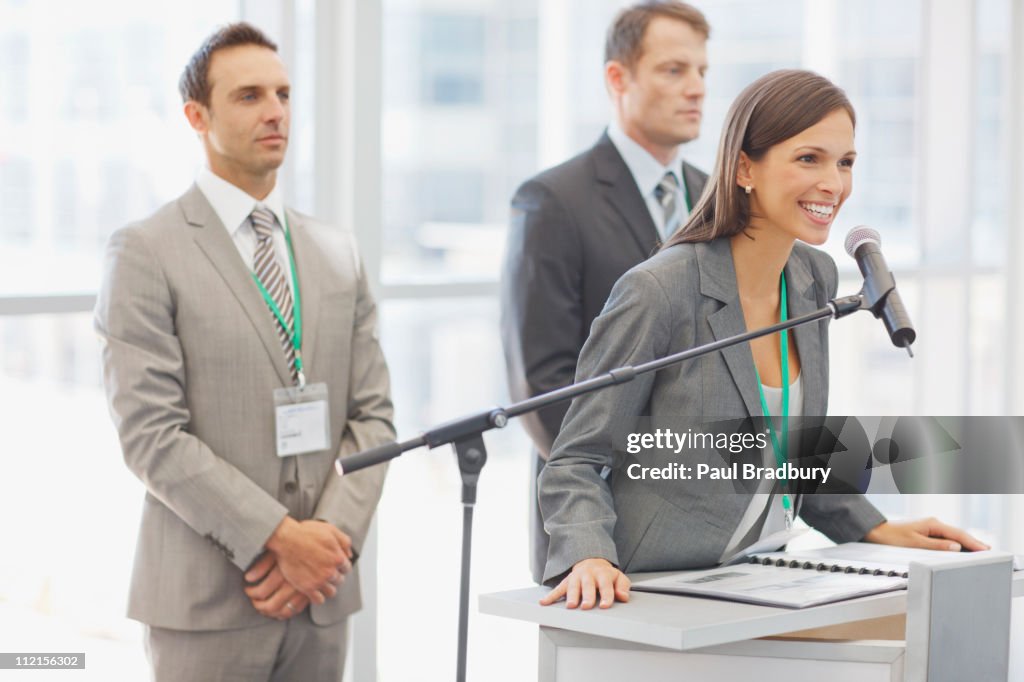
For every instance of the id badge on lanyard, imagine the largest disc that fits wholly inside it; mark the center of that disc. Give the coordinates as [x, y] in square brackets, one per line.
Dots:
[301, 413]
[302, 419]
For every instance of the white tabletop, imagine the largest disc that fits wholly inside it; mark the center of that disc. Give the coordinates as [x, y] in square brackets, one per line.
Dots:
[683, 623]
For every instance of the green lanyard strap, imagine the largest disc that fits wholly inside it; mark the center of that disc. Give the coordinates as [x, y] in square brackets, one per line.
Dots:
[294, 331]
[780, 446]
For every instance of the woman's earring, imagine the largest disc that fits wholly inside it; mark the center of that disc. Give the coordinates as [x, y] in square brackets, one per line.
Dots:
[748, 189]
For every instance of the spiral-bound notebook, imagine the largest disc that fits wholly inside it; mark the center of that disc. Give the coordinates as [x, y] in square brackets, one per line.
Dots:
[801, 579]
[804, 579]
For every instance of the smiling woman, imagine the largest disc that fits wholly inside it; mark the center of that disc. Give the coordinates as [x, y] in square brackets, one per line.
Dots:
[802, 182]
[742, 261]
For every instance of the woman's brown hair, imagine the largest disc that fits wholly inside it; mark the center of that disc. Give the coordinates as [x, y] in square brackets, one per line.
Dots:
[772, 109]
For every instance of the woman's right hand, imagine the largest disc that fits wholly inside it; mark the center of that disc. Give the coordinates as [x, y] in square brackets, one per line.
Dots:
[587, 579]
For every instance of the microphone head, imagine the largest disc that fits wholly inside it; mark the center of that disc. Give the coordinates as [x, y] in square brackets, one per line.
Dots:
[862, 234]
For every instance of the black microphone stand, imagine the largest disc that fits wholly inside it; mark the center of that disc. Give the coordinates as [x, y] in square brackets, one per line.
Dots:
[466, 433]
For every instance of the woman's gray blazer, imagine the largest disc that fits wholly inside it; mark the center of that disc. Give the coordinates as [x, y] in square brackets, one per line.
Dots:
[683, 297]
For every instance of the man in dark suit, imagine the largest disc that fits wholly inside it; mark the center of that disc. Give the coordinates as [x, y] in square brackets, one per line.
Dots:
[577, 227]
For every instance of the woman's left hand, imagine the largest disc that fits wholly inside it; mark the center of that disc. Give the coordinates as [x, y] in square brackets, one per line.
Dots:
[924, 534]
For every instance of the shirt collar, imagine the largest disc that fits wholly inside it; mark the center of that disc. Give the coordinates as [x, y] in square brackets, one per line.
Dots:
[232, 204]
[646, 170]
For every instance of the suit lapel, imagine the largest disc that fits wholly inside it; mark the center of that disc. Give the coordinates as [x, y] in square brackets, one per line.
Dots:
[718, 281]
[620, 190]
[801, 291]
[308, 267]
[216, 243]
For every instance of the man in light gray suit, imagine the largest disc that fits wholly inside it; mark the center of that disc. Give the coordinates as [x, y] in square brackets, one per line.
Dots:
[577, 227]
[240, 358]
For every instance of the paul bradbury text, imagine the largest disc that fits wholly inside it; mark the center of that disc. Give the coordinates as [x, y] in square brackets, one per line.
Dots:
[731, 472]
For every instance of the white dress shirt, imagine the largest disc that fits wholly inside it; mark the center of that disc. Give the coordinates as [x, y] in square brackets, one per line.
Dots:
[233, 206]
[648, 172]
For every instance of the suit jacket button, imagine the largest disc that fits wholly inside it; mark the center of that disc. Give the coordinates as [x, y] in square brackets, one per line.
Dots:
[290, 487]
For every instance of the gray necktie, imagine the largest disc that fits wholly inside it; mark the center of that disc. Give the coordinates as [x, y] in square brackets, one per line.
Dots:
[665, 193]
[268, 271]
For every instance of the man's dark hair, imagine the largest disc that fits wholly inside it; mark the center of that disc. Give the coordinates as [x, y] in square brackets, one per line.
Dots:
[194, 83]
[625, 40]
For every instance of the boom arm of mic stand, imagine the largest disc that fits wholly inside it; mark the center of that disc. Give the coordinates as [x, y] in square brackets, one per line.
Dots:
[497, 418]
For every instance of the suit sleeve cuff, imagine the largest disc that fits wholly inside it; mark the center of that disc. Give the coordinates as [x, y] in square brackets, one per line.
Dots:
[569, 546]
[842, 518]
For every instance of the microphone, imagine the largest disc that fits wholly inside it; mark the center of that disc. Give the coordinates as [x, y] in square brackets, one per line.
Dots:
[879, 292]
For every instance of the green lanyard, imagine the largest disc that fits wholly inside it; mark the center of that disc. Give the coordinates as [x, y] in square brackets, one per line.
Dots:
[781, 448]
[294, 332]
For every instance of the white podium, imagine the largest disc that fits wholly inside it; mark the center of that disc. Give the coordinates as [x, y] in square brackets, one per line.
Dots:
[959, 619]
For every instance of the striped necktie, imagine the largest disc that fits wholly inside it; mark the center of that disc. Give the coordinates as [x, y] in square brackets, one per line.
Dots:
[665, 193]
[268, 271]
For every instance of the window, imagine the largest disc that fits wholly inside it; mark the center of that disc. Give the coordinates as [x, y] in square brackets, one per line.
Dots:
[453, 57]
[453, 154]
[91, 132]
